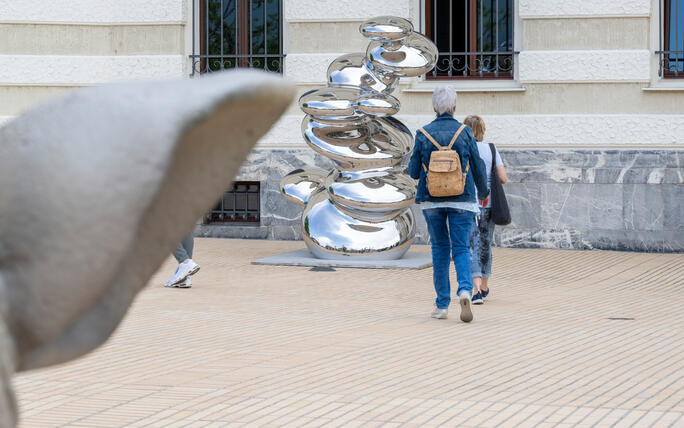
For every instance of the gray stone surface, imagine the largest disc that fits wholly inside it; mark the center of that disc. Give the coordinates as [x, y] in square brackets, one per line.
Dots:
[644, 207]
[411, 260]
[579, 205]
[97, 188]
[673, 206]
[579, 199]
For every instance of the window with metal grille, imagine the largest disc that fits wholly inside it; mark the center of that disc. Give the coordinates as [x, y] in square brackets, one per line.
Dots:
[671, 39]
[474, 38]
[240, 204]
[237, 33]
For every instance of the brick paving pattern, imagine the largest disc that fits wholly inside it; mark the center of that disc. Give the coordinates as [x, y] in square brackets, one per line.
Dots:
[284, 346]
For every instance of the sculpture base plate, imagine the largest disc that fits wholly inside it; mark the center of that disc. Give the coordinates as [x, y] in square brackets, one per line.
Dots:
[411, 260]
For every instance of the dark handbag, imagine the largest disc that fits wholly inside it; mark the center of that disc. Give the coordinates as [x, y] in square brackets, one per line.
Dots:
[500, 213]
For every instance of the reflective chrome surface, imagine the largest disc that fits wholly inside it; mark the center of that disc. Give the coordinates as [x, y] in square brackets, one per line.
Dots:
[354, 70]
[330, 101]
[331, 233]
[361, 208]
[416, 55]
[386, 28]
[300, 184]
[357, 145]
[372, 190]
[379, 105]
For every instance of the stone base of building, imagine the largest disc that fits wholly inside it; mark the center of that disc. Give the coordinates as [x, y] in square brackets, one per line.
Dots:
[625, 200]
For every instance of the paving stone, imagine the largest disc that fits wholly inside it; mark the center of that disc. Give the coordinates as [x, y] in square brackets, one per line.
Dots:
[566, 338]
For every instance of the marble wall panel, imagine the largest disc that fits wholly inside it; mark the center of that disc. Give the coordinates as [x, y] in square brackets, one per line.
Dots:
[644, 207]
[567, 239]
[581, 206]
[638, 240]
[568, 199]
[673, 207]
[524, 201]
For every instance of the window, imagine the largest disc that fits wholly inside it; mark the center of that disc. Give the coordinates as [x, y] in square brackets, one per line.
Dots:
[474, 38]
[672, 39]
[237, 33]
[240, 204]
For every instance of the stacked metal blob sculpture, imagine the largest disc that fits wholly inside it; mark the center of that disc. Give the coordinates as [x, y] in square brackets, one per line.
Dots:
[362, 207]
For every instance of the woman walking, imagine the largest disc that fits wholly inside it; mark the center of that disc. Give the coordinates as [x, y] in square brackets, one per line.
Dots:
[449, 219]
[483, 232]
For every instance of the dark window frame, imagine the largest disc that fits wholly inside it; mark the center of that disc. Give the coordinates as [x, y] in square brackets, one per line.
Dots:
[242, 54]
[231, 211]
[474, 61]
[670, 54]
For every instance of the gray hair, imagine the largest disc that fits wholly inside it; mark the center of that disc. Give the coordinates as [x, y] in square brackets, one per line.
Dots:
[444, 99]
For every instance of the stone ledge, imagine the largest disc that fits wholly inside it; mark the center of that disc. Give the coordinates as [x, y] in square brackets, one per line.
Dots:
[412, 260]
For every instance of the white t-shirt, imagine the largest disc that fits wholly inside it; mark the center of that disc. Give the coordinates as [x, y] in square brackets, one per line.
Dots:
[486, 155]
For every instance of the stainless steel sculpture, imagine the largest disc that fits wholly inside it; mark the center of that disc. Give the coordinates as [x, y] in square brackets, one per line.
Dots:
[96, 188]
[361, 208]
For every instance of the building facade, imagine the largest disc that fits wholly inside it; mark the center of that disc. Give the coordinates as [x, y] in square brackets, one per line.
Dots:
[585, 100]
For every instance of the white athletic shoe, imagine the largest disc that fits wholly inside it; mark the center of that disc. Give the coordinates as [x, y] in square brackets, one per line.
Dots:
[185, 269]
[185, 284]
[466, 311]
[440, 314]
[167, 283]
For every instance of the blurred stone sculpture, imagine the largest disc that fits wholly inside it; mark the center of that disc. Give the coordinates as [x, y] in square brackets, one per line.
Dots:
[96, 188]
[361, 208]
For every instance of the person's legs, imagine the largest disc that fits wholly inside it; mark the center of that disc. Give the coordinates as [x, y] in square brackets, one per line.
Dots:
[486, 240]
[184, 250]
[460, 223]
[186, 266]
[475, 261]
[439, 239]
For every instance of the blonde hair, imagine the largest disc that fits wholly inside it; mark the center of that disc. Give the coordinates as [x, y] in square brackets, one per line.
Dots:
[478, 126]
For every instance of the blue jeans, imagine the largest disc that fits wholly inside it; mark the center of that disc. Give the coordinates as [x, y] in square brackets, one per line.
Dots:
[449, 230]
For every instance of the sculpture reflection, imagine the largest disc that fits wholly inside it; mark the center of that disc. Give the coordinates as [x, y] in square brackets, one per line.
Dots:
[361, 208]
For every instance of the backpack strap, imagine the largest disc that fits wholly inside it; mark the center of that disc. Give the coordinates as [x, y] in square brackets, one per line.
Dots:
[453, 140]
[493, 150]
[429, 137]
[451, 144]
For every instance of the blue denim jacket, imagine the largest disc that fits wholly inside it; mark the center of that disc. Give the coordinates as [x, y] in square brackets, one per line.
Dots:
[442, 130]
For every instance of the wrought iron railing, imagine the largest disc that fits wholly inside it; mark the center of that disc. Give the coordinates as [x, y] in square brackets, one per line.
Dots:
[671, 63]
[237, 33]
[474, 38]
[671, 52]
[240, 204]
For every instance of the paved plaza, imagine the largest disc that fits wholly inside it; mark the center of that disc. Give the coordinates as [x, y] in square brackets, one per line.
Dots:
[566, 338]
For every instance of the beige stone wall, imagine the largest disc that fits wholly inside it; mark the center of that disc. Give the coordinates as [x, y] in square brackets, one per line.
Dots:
[595, 60]
[47, 51]
[590, 60]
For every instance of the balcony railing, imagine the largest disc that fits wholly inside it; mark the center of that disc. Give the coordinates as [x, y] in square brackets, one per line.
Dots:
[237, 33]
[474, 38]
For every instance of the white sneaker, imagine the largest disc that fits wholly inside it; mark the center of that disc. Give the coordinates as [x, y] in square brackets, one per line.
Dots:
[185, 284]
[167, 283]
[185, 269]
[440, 314]
[466, 312]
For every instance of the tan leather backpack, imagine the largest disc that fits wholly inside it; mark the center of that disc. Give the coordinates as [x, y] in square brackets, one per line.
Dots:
[444, 175]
